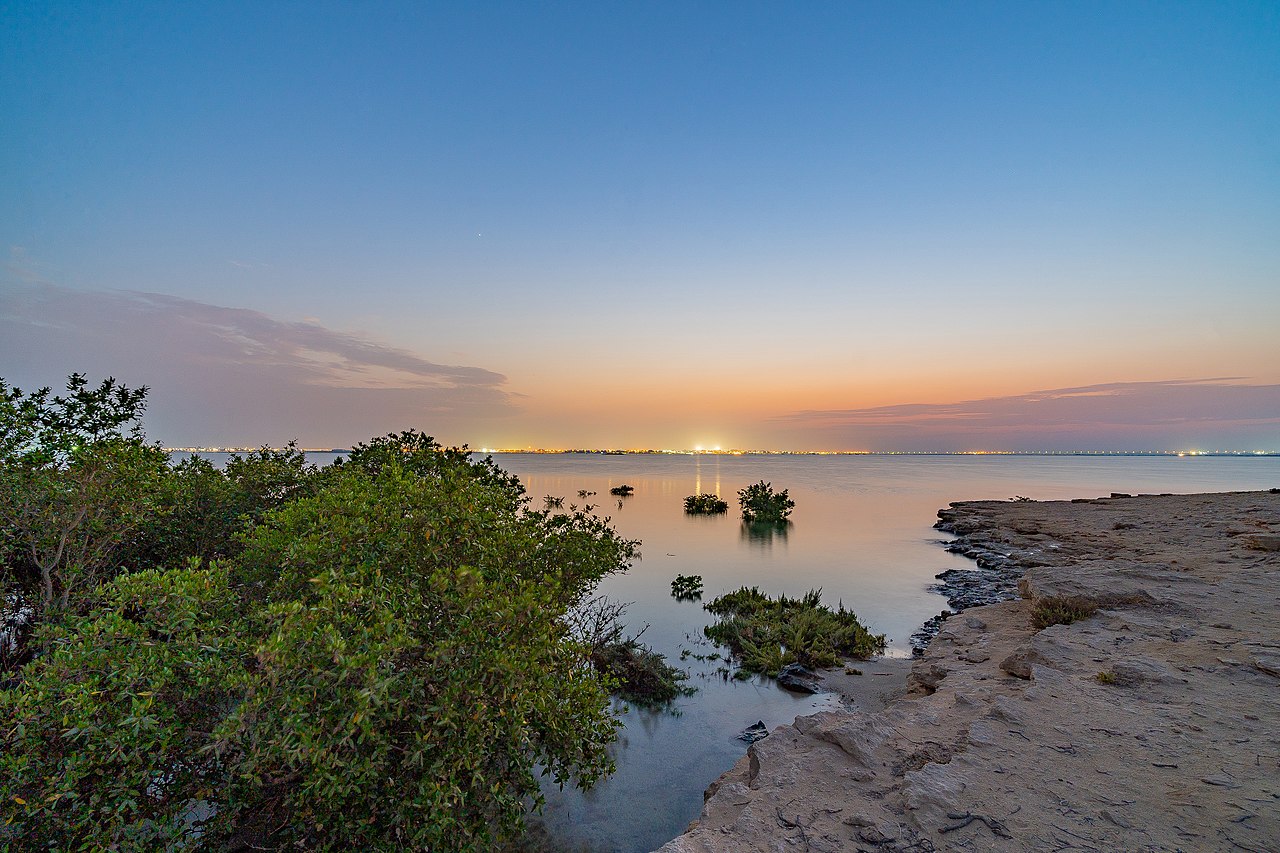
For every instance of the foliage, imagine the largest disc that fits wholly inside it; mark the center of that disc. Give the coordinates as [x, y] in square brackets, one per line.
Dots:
[634, 672]
[74, 485]
[622, 490]
[643, 676]
[104, 742]
[1056, 610]
[1106, 677]
[761, 504]
[705, 504]
[381, 658]
[420, 454]
[205, 509]
[766, 634]
[687, 587]
[424, 624]
[44, 430]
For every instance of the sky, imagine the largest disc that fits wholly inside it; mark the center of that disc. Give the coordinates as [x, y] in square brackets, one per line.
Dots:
[841, 226]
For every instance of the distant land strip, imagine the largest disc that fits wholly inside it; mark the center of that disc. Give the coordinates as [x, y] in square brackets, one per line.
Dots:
[613, 452]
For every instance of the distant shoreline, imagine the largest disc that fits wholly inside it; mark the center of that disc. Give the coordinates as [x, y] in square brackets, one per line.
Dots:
[543, 452]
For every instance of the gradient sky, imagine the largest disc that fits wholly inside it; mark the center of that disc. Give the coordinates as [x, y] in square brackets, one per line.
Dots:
[840, 226]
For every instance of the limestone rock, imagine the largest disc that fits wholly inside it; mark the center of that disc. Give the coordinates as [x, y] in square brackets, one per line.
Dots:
[1151, 725]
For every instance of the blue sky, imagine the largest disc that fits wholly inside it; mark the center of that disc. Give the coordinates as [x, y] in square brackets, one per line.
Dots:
[659, 224]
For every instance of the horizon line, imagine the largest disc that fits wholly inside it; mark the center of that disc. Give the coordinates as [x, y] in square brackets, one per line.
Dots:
[1183, 452]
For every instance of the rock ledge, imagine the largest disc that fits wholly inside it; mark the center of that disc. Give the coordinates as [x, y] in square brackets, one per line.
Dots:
[1153, 724]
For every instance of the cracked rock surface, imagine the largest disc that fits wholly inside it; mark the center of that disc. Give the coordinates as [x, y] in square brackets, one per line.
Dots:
[1153, 724]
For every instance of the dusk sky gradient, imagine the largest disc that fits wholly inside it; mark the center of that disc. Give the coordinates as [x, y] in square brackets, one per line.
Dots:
[847, 226]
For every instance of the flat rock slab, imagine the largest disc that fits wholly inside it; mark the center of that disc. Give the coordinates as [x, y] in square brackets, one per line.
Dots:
[1153, 724]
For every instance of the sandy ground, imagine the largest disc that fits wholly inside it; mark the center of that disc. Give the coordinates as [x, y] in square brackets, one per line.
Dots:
[1152, 724]
[882, 681]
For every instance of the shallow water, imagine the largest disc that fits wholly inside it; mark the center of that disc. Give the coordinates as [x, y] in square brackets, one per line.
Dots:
[861, 530]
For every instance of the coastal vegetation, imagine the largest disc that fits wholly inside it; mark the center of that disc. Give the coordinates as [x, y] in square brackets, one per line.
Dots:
[635, 673]
[764, 634]
[382, 653]
[705, 505]
[762, 505]
[1061, 611]
[686, 587]
[623, 490]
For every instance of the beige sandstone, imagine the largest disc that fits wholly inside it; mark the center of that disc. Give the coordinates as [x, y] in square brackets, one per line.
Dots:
[1152, 725]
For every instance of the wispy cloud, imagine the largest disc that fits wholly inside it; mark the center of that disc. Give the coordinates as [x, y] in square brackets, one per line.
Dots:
[1121, 415]
[235, 375]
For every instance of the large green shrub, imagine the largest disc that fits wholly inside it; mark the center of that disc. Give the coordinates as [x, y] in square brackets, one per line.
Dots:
[105, 743]
[417, 664]
[383, 660]
[204, 509]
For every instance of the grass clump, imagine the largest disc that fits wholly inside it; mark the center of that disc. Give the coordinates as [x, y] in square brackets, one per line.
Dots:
[760, 503]
[687, 587]
[1061, 611]
[1106, 677]
[765, 634]
[705, 505]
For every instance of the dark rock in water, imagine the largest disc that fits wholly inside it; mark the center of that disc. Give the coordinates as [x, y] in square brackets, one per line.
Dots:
[795, 677]
[994, 580]
[755, 732]
[926, 632]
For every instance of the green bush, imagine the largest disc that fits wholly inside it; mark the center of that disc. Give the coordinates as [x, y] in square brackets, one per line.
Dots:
[417, 664]
[705, 505]
[204, 509]
[76, 483]
[760, 504]
[642, 676]
[766, 634]
[686, 587]
[106, 742]
[384, 660]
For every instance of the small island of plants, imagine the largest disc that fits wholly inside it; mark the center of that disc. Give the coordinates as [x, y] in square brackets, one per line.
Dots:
[686, 587]
[705, 505]
[762, 505]
[765, 634]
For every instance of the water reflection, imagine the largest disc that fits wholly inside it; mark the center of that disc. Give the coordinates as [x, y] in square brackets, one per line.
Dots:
[697, 476]
[761, 535]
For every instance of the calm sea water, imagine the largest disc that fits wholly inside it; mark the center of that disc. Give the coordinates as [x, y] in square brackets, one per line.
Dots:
[861, 531]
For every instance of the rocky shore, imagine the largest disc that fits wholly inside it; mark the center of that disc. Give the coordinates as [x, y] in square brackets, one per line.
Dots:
[1147, 718]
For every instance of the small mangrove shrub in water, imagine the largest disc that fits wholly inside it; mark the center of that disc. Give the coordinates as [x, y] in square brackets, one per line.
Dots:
[642, 676]
[765, 634]
[622, 490]
[705, 505]
[687, 587]
[633, 672]
[761, 504]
